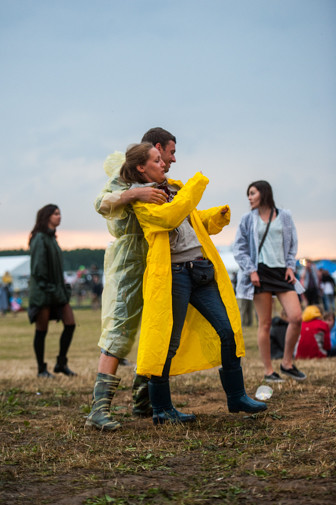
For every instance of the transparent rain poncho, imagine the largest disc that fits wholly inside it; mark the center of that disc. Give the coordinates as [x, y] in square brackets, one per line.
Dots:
[124, 265]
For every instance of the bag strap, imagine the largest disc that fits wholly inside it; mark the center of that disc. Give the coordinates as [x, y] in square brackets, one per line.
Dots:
[266, 231]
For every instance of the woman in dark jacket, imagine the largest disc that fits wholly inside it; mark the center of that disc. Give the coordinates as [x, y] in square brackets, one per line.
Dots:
[49, 295]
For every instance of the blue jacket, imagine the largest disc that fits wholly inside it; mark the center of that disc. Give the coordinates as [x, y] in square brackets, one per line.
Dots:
[245, 249]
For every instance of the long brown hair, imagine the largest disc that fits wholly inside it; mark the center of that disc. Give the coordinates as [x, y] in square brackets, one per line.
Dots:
[266, 193]
[42, 220]
[136, 154]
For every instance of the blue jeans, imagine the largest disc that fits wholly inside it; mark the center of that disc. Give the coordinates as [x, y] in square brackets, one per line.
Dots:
[206, 299]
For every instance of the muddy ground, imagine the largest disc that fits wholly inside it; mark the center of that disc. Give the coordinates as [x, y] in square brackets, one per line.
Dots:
[285, 456]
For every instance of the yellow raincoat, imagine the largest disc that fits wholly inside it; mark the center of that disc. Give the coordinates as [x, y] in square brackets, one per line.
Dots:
[200, 345]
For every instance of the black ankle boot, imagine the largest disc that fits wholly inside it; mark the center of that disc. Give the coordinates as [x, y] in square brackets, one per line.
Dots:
[163, 409]
[237, 399]
[43, 372]
[61, 367]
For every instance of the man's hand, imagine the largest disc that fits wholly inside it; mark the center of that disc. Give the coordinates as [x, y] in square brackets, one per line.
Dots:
[149, 195]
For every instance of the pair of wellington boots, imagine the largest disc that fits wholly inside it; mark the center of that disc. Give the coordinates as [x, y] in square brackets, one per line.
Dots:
[160, 399]
[104, 391]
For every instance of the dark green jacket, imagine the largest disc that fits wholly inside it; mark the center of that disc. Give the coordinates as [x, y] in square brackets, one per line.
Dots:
[47, 286]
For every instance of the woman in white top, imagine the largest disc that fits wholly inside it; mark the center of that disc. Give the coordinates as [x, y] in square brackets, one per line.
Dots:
[265, 249]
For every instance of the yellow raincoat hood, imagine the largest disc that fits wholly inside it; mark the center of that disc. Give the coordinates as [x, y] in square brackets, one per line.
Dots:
[200, 345]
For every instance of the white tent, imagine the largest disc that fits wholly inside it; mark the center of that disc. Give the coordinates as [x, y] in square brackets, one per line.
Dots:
[18, 267]
[230, 263]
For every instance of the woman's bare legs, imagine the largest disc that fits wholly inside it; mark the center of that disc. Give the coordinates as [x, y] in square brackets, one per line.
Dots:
[263, 306]
[291, 304]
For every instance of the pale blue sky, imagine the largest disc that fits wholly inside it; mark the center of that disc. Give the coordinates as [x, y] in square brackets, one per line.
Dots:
[247, 87]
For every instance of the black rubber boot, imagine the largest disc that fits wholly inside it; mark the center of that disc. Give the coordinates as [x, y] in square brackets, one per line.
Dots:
[43, 372]
[237, 399]
[163, 409]
[62, 367]
[141, 403]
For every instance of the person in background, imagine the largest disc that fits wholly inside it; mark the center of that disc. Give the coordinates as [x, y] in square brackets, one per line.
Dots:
[3, 300]
[246, 311]
[265, 247]
[48, 294]
[311, 282]
[329, 318]
[190, 316]
[314, 341]
[16, 303]
[96, 290]
[124, 266]
[278, 335]
[7, 281]
[327, 286]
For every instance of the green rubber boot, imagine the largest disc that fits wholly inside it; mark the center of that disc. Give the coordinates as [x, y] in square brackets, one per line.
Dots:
[104, 389]
[142, 406]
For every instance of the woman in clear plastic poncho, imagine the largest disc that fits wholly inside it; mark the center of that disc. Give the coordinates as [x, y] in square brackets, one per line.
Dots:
[124, 265]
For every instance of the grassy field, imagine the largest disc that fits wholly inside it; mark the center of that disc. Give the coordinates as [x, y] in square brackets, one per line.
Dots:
[284, 456]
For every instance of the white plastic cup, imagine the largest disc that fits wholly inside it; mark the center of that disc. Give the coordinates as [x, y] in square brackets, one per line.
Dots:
[264, 393]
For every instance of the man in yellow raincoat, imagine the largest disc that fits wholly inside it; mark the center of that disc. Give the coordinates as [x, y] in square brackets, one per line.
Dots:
[124, 266]
[190, 316]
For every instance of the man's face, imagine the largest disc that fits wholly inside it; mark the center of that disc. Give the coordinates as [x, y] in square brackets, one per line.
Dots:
[167, 154]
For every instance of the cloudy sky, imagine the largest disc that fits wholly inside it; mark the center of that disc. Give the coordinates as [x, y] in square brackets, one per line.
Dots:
[247, 87]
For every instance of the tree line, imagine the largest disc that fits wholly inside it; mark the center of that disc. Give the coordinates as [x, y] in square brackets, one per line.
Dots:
[72, 259]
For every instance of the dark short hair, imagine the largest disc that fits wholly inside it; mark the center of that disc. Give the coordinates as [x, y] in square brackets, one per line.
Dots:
[42, 219]
[329, 315]
[266, 193]
[136, 154]
[158, 135]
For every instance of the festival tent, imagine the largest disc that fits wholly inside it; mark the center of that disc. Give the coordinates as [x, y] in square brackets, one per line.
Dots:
[326, 265]
[230, 263]
[19, 269]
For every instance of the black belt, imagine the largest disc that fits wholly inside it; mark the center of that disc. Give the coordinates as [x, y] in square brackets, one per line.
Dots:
[189, 264]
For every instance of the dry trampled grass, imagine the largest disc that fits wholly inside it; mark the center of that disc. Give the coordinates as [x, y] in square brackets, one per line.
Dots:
[284, 456]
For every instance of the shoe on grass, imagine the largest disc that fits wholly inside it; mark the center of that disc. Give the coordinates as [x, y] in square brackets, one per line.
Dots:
[293, 372]
[273, 377]
[43, 372]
